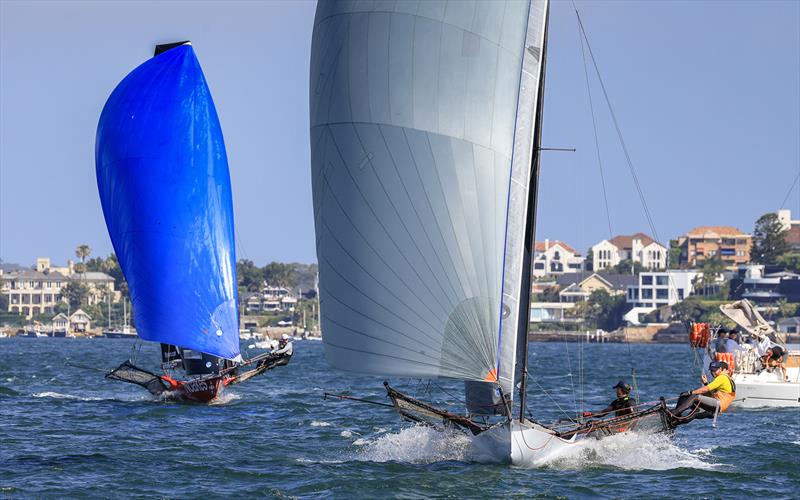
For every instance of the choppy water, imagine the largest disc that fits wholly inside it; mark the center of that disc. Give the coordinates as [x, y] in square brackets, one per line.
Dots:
[65, 432]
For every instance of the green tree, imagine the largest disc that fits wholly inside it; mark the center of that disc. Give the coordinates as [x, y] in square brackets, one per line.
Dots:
[75, 293]
[627, 266]
[786, 309]
[674, 256]
[249, 275]
[769, 240]
[790, 261]
[82, 252]
[279, 274]
[602, 310]
[3, 302]
[707, 281]
[112, 268]
[96, 264]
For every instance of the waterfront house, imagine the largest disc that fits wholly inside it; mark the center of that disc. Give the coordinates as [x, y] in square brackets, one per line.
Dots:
[32, 291]
[554, 257]
[79, 321]
[756, 283]
[657, 289]
[637, 247]
[578, 287]
[552, 312]
[60, 323]
[788, 325]
[269, 299]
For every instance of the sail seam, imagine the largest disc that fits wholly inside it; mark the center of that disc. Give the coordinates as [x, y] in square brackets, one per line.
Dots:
[380, 223]
[430, 206]
[397, 212]
[416, 213]
[339, 243]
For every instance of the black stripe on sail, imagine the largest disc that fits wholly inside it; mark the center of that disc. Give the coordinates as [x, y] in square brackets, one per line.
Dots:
[160, 49]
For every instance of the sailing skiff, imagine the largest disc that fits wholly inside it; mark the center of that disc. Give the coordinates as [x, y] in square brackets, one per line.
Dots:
[162, 175]
[426, 123]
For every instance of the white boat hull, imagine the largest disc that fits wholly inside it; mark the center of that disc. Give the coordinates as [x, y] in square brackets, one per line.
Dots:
[523, 444]
[767, 390]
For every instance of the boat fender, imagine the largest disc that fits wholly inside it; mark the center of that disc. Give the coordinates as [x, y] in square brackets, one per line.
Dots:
[727, 357]
[699, 335]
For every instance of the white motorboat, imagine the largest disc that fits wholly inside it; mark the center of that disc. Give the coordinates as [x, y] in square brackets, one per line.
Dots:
[757, 385]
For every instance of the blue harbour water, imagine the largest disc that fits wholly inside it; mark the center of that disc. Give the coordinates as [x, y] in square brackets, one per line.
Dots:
[67, 432]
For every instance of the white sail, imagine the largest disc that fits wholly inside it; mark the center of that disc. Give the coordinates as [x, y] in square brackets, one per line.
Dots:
[514, 332]
[414, 107]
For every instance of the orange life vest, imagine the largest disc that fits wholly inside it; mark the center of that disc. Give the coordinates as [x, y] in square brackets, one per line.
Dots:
[725, 398]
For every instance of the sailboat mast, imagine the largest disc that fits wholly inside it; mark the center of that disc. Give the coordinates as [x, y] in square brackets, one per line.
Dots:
[530, 228]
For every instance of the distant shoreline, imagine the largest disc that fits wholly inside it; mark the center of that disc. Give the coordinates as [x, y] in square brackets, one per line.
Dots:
[618, 337]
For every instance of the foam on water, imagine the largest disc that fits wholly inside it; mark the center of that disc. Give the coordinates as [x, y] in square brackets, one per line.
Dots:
[417, 444]
[630, 451]
[225, 398]
[319, 423]
[58, 395]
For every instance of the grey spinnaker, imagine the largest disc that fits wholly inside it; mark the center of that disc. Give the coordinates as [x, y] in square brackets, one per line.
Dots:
[421, 138]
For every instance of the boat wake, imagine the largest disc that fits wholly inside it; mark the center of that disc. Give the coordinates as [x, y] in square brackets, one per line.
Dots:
[72, 397]
[225, 398]
[58, 395]
[417, 444]
[630, 451]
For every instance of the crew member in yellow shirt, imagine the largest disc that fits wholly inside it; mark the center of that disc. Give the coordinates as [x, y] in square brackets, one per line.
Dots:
[709, 400]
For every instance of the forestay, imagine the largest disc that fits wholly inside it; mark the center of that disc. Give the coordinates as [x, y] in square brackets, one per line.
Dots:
[163, 178]
[421, 124]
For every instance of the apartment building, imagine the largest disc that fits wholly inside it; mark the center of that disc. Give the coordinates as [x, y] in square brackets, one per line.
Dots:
[727, 242]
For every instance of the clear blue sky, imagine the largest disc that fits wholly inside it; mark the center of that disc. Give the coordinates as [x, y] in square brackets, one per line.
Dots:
[707, 95]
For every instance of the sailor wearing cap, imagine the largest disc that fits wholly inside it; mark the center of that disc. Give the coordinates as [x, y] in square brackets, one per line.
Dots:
[284, 346]
[623, 405]
[721, 392]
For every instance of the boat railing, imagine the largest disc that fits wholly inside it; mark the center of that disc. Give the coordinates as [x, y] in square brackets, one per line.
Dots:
[747, 362]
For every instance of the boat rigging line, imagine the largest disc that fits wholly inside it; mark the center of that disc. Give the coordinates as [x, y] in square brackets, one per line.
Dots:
[789, 192]
[327, 395]
[618, 130]
[584, 38]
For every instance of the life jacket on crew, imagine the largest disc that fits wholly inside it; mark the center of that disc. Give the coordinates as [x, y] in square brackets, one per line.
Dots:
[725, 398]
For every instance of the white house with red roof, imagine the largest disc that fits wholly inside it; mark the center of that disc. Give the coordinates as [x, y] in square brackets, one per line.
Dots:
[555, 257]
[637, 247]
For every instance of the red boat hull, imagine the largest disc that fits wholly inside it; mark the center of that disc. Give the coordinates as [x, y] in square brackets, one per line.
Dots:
[201, 391]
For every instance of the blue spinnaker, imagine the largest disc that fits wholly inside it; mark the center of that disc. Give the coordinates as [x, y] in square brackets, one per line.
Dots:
[164, 184]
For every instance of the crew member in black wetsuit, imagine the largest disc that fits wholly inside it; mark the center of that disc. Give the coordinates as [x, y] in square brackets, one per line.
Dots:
[623, 405]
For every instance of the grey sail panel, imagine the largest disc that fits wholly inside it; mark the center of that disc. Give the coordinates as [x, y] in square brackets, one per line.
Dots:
[413, 109]
[514, 328]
